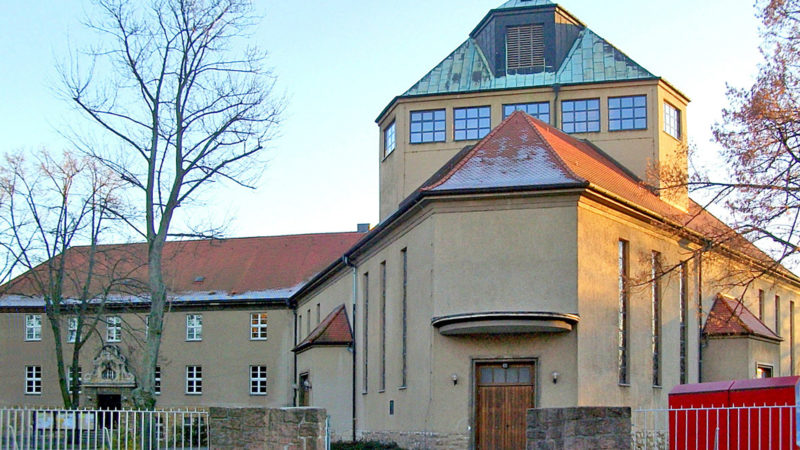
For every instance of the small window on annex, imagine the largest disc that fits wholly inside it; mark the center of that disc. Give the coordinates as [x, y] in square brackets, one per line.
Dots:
[428, 126]
[540, 110]
[672, 121]
[389, 139]
[763, 371]
[580, 116]
[471, 123]
[627, 113]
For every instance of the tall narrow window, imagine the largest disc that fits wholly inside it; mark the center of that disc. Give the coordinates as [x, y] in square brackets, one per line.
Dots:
[655, 324]
[622, 320]
[791, 339]
[194, 327]
[308, 320]
[383, 326]
[33, 327]
[157, 381]
[684, 329]
[761, 305]
[318, 314]
[113, 329]
[365, 328]
[72, 374]
[194, 380]
[33, 380]
[72, 329]
[778, 315]
[404, 343]
[389, 139]
[672, 121]
[300, 326]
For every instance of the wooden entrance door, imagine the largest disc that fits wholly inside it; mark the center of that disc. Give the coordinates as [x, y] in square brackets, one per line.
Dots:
[505, 391]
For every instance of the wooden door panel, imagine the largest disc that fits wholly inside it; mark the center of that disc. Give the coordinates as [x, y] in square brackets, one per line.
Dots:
[501, 410]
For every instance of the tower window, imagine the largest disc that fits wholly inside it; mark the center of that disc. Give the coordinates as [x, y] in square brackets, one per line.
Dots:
[580, 116]
[472, 123]
[428, 126]
[627, 113]
[672, 121]
[389, 141]
[540, 110]
[524, 47]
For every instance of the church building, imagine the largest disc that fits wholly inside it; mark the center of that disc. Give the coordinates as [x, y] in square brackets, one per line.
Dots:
[532, 251]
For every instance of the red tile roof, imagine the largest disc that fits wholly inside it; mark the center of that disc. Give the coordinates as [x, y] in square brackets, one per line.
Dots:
[333, 330]
[526, 153]
[729, 317]
[245, 268]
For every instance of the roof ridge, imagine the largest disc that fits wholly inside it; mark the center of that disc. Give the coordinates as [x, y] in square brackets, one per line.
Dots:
[582, 34]
[558, 157]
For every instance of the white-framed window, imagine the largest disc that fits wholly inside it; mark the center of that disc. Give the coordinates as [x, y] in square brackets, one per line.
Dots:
[72, 329]
[113, 329]
[194, 380]
[258, 326]
[672, 121]
[33, 380]
[194, 327]
[33, 327]
[763, 371]
[77, 372]
[627, 113]
[258, 380]
[157, 381]
[389, 139]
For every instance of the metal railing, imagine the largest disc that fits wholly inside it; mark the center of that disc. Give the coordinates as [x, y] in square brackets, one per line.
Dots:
[722, 428]
[122, 429]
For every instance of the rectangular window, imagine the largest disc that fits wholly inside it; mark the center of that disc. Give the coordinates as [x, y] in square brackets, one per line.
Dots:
[383, 327]
[389, 139]
[428, 126]
[404, 305]
[308, 321]
[300, 326]
[682, 320]
[792, 370]
[761, 306]
[627, 113]
[194, 380]
[70, 376]
[258, 380]
[33, 380]
[540, 110]
[258, 326]
[622, 320]
[524, 47]
[319, 314]
[672, 121]
[33, 327]
[471, 123]
[655, 324]
[194, 327]
[778, 315]
[113, 329]
[72, 329]
[580, 116]
[763, 371]
[157, 381]
[365, 328]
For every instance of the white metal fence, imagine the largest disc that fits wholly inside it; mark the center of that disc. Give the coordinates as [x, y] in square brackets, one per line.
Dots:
[23, 429]
[724, 428]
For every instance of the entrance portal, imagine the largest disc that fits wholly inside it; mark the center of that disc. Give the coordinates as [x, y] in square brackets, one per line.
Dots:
[112, 403]
[504, 393]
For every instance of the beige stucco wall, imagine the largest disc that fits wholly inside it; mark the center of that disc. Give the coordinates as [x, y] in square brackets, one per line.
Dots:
[405, 169]
[736, 357]
[225, 354]
[330, 371]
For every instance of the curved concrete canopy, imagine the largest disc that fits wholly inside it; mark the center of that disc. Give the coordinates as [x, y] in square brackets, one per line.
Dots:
[503, 322]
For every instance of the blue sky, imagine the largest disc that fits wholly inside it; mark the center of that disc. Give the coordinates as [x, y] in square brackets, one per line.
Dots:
[340, 63]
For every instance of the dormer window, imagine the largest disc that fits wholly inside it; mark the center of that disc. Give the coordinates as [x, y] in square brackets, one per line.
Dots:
[524, 47]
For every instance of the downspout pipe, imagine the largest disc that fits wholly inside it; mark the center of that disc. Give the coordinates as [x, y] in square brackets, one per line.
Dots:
[556, 115]
[294, 356]
[347, 262]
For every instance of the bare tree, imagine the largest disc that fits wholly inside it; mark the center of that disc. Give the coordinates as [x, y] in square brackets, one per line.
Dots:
[49, 206]
[183, 104]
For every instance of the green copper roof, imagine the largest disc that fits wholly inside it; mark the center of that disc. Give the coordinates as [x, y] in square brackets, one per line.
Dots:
[591, 59]
[524, 3]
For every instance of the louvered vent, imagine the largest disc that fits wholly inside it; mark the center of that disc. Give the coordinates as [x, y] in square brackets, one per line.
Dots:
[525, 47]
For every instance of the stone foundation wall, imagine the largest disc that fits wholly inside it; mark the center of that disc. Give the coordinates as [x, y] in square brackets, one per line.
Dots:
[418, 440]
[579, 428]
[267, 428]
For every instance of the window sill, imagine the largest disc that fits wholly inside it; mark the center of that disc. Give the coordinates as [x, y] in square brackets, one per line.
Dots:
[34, 394]
[194, 340]
[381, 391]
[402, 388]
[364, 392]
[258, 395]
[193, 393]
[33, 340]
[658, 387]
[627, 129]
[627, 385]
[258, 339]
